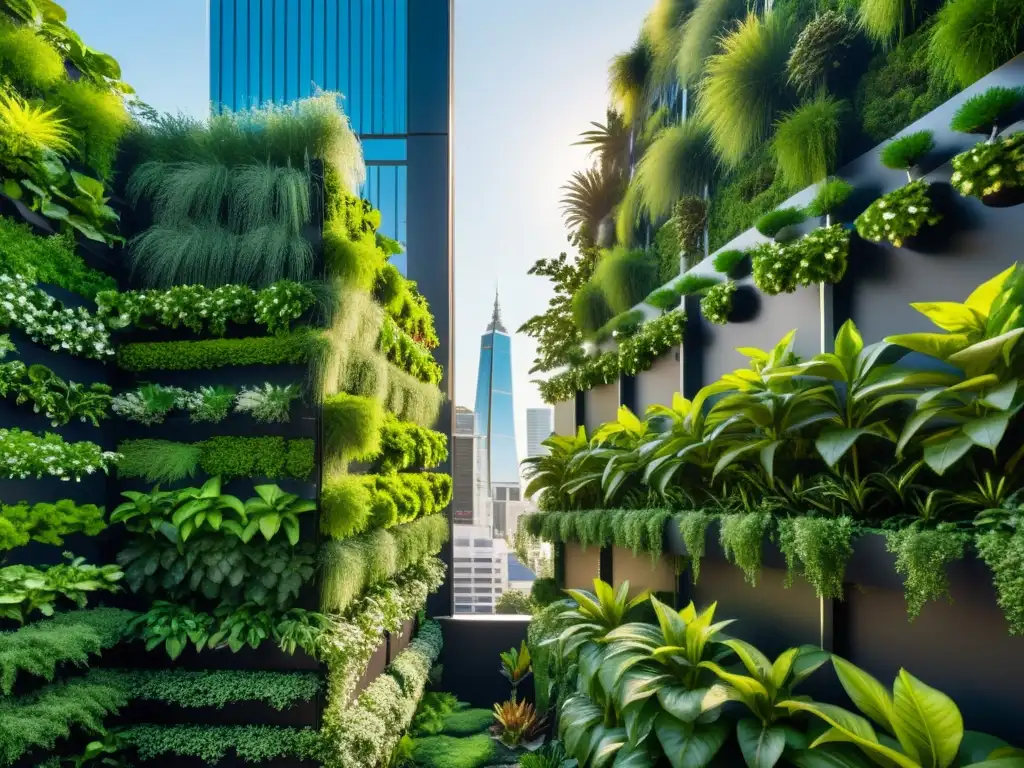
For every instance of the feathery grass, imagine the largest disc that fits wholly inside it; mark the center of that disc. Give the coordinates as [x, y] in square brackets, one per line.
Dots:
[806, 141]
[775, 221]
[983, 111]
[352, 427]
[97, 114]
[345, 502]
[727, 261]
[679, 162]
[625, 276]
[903, 153]
[699, 36]
[665, 299]
[688, 285]
[629, 76]
[972, 37]
[663, 27]
[590, 309]
[885, 21]
[28, 129]
[745, 85]
[831, 194]
[627, 217]
[159, 461]
[27, 60]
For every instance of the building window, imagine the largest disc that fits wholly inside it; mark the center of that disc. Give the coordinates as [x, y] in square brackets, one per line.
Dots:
[483, 542]
[460, 542]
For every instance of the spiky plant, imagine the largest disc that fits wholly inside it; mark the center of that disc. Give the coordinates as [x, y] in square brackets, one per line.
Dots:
[820, 50]
[886, 21]
[903, 153]
[982, 112]
[699, 35]
[745, 84]
[970, 38]
[679, 162]
[775, 221]
[830, 195]
[609, 141]
[806, 141]
[629, 79]
[28, 130]
[590, 196]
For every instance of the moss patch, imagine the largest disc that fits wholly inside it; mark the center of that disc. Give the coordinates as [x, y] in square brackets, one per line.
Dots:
[467, 722]
[470, 752]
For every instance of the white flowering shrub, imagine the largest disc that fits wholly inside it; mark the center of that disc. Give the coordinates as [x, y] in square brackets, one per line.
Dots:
[819, 257]
[207, 310]
[268, 403]
[898, 215]
[46, 321]
[989, 167]
[716, 304]
[24, 455]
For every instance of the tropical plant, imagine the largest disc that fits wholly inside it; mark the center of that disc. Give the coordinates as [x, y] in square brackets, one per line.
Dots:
[679, 162]
[886, 21]
[517, 724]
[590, 197]
[25, 589]
[549, 475]
[595, 614]
[515, 666]
[610, 141]
[272, 510]
[629, 76]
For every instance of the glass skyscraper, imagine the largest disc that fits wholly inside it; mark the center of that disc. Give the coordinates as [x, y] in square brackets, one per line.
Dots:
[375, 52]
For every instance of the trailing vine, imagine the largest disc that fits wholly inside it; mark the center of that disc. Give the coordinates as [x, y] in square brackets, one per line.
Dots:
[922, 555]
[693, 526]
[820, 548]
[1003, 553]
[741, 535]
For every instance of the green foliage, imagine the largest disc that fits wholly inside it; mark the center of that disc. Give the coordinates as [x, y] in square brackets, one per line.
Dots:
[453, 752]
[989, 167]
[774, 222]
[355, 262]
[269, 403]
[971, 38]
[66, 638]
[831, 194]
[621, 326]
[58, 400]
[899, 88]
[1003, 553]
[806, 141]
[48, 260]
[922, 555]
[365, 733]
[590, 309]
[27, 60]
[24, 454]
[716, 304]
[514, 602]
[347, 503]
[394, 498]
[48, 322]
[885, 21]
[355, 564]
[405, 446]
[690, 284]
[745, 84]
[741, 535]
[544, 592]
[629, 79]
[433, 708]
[689, 218]
[665, 299]
[899, 214]
[821, 51]
[38, 720]
[551, 755]
[818, 257]
[26, 589]
[666, 252]
[693, 526]
[700, 34]
[408, 355]
[297, 347]
[752, 189]
[100, 119]
[352, 427]
[903, 153]
[625, 277]
[211, 743]
[47, 523]
[166, 461]
[727, 262]
[679, 162]
[213, 688]
[983, 111]
[820, 548]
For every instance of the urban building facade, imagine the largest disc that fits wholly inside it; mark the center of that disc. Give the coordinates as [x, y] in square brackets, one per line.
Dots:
[539, 426]
[471, 498]
[480, 569]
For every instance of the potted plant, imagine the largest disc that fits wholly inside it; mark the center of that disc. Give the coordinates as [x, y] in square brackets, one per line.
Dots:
[716, 304]
[993, 169]
[818, 257]
[903, 212]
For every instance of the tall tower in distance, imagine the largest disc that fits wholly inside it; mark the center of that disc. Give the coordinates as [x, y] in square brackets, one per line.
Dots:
[495, 420]
[539, 427]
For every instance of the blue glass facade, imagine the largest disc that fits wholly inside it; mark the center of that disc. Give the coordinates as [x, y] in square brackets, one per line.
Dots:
[282, 50]
[495, 418]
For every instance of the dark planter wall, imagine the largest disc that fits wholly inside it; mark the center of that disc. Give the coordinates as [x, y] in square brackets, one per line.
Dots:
[472, 666]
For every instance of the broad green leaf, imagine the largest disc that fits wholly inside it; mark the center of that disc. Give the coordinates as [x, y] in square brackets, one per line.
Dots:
[913, 424]
[830, 756]
[944, 450]
[951, 316]
[847, 726]
[746, 686]
[834, 443]
[640, 683]
[848, 341]
[938, 345]
[999, 762]
[608, 743]
[639, 719]
[781, 667]
[757, 663]
[672, 625]
[632, 757]
[987, 431]
[767, 455]
[269, 525]
[868, 695]
[761, 746]
[682, 703]
[689, 745]
[984, 295]
[979, 358]
[927, 722]
[1001, 397]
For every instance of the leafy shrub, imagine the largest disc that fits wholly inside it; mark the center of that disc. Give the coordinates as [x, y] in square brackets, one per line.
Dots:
[166, 461]
[23, 455]
[66, 638]
[752, 189]
[899, 88]
[58, 400]
[922, 555]
[806, 141]
[989, 167]
[971, 38]
[27, 60]
[405, 445]
[294, 348]
[48, 260]
[151, 403]
[983, 111]
[47, 523]
[818, 257]
[27, 589]
[727, 262]
[774, 222]
[356, 262]
[716, 304]
[269, 403]
[407, 354]
[820, 51]
[898, 215]
[590, 308]
[211, 743]
[352, 427]
[820, 548]
[625, 277]
[38, 720]
[346, 501]
[544, 592]
[903, 153]
[353, 565]
[831, 194]
[98, 116]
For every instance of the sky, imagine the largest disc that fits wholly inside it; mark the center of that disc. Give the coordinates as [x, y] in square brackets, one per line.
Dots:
[530, 75]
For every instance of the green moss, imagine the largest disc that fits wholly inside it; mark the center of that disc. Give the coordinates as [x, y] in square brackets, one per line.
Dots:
[351, 427]
[467, 722]
[99, 118]
[451, 752]
[345, 503]
[26, 60]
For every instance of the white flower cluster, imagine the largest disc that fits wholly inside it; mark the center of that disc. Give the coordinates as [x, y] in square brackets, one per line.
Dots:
[24, 455]
[898, 215]
[201, 309]
[716, 304]
[150, 404]
[989, 167]
[46, 321]
[818, 257]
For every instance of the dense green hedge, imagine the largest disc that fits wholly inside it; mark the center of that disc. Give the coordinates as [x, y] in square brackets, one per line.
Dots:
[294, 348]
[270, 457]
[351, 504]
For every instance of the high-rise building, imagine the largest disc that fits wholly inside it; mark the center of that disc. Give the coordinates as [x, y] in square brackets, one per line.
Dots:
[471, 498]
[495, 421]
[538, 429]
[389, 58]
[480, 573]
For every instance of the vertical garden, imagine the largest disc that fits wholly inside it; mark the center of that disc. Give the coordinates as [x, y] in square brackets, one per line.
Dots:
[219, 522]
